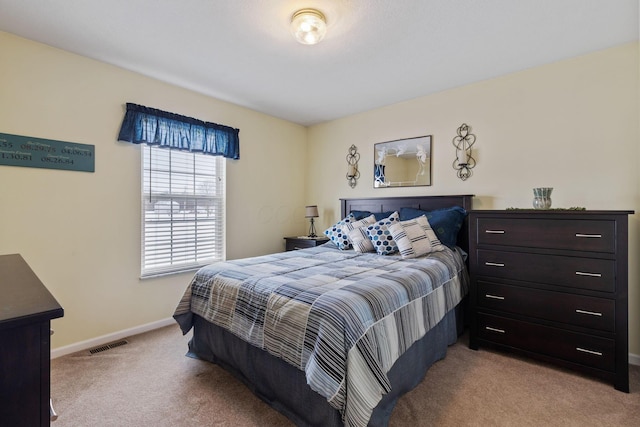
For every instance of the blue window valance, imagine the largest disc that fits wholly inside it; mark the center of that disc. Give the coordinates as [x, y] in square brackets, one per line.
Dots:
[156, 127]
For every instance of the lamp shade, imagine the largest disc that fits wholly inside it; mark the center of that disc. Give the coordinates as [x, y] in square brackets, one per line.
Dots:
[308, 26]
[311, 212]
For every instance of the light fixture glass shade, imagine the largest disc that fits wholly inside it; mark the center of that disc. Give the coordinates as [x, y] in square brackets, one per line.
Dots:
[311, 212]
[308, 26]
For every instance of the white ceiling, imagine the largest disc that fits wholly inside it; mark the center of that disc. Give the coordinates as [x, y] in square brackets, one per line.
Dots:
[376, 52]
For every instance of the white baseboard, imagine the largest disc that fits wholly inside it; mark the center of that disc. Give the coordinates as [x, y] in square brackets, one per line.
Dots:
[104, 339]
[634, 359]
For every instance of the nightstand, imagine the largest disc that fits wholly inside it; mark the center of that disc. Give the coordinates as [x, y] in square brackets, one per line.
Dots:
[295, 243]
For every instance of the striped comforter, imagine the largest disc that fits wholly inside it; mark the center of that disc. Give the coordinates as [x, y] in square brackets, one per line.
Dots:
[343, 318]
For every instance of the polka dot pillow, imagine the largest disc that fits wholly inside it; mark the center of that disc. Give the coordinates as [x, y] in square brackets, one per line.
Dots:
[339, 232]
[380, 236]
[362, 240]
[415, 237]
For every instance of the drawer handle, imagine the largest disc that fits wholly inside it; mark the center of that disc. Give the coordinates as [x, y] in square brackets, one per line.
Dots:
[489, 328]
[591, 313]
[584, 350]
[589, 236]
[52, 412]
[494, 231]
[582, 273]
[493, 296]
[494, 264]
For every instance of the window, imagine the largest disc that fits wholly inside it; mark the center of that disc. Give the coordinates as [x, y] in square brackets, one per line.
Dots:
[183, 199]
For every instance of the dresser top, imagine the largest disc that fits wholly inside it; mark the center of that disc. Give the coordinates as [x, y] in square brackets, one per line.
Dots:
[23, 297]
[552, 212]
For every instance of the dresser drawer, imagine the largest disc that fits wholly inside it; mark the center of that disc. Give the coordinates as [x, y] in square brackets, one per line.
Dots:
[585, 235]
[588, 350]
[578, 310]
[576, 272]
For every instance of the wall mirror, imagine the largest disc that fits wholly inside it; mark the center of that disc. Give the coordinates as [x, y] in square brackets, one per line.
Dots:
[402, 163]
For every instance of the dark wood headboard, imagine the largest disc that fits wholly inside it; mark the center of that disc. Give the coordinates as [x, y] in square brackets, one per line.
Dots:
[426, 203]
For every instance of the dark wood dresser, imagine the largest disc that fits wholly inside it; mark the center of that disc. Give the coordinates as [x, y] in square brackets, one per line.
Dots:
[552, 285]
[26, 310]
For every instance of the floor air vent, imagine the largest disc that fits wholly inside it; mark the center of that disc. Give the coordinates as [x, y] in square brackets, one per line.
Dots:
[107, 347]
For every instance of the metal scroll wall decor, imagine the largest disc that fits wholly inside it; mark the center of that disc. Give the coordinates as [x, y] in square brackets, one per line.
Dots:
[464, 161]
[352, 166]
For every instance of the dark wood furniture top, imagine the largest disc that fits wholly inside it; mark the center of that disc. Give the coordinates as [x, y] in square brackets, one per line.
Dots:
[26, 309]
[295, 243]
[23, 297]
[553, 285]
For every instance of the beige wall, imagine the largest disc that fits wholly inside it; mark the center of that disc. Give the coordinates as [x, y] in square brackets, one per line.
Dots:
[79, 231]
[571, 125]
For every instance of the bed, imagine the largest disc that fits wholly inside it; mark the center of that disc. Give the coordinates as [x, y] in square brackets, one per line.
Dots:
[332, 337]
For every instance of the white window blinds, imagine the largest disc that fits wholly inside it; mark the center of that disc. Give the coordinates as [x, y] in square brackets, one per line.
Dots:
[183, 202]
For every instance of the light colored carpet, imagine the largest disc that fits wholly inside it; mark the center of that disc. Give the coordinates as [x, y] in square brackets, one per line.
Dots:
[150, 382]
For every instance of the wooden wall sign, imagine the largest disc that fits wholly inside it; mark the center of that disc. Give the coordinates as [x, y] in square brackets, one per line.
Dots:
[16, 150]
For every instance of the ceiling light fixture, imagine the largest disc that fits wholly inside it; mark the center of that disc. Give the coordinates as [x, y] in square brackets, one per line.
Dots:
[308, 26]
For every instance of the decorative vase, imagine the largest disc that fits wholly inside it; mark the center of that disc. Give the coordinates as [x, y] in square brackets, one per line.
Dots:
[542, 197]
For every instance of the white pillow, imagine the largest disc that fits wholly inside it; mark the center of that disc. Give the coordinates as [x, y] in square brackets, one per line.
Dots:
[415, 237]
[360, 240]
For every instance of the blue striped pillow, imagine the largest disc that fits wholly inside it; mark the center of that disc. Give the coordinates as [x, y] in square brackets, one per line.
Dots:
[445, 222]
[415, 237]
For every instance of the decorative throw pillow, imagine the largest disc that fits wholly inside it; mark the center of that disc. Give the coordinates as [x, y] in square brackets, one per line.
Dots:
[445, 222]
[362, 240]
[415, 237]
[380, 236]
[339, 232]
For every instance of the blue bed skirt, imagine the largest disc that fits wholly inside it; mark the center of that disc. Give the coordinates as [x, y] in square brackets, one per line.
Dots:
[285, 388]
